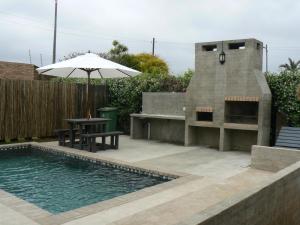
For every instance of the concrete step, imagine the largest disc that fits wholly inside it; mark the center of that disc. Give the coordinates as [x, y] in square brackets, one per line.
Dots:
[183, 207]
[144, 204]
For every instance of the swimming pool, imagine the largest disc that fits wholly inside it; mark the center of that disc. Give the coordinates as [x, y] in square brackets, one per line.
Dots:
[59, 183]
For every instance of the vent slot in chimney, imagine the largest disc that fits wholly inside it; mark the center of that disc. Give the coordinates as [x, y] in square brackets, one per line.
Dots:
[233, 46]
[209, 48]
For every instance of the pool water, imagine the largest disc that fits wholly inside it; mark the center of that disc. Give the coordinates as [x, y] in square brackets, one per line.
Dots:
[59, 183]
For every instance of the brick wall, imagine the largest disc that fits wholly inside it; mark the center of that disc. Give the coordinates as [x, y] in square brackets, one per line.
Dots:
[18, 71]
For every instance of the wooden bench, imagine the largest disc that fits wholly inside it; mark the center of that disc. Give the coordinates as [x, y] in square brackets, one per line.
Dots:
[91, 140]
[62, 134]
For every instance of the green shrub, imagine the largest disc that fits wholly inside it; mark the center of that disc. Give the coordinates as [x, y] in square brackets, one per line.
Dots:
[126, 93]
[284, 93]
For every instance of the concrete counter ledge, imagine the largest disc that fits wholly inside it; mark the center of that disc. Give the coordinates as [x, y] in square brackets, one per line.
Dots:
[158, 116]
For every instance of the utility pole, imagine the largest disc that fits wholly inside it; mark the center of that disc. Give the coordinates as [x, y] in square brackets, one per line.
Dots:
[54, 38]
[41, 58]
[153, 46]
[267, 58]
[29, 53]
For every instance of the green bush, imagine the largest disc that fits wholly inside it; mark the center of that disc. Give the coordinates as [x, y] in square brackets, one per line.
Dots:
[126, 93]
[284, 93]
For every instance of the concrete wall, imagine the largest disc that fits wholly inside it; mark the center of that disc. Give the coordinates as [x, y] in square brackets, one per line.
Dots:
[165, 103]
[275, 202]
[213, 81]
[205, 136]
[164, 129]
[273, 158]
[241, 76]
[167, 130]
[18, 71]
[233, 139]
[160, 129]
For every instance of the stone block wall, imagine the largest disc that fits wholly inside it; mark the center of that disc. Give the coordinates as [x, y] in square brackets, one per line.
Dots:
[166, 130]
[158, 122]
[275, 202]
[205, 136]
[273, 158]
[164, 103]
[214, 85]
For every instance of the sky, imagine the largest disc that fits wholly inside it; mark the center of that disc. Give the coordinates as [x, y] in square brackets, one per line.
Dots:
[175, 24]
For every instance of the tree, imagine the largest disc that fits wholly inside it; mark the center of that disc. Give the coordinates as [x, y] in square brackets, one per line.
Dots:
[118, 49]
[75, 54]
[298, 92]
[71, 55]
[114, 54]
[186, 77]
[152, 64]
[144, 62]
[285, 95]
[292, 66]
[119, 54]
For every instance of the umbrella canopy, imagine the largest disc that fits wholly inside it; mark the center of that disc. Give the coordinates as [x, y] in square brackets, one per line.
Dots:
[88, 65]
[78, 67]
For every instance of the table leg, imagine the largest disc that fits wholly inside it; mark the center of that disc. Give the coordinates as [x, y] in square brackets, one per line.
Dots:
[103, 142]
[88, 129]
[93, 148]
[71, 135]
[81, 139]
[93, 129]
[89, 144]
[112, 141]
[117, 142]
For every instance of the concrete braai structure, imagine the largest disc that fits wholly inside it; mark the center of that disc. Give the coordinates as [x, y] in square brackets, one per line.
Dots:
[228, 105]
[162, 118]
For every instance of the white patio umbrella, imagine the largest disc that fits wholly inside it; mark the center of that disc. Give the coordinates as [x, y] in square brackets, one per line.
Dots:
[88, 65]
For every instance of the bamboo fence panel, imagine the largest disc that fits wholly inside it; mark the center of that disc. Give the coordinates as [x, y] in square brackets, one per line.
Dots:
[35, 108]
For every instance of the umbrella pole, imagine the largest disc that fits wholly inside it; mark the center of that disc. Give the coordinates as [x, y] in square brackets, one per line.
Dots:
[88, 95]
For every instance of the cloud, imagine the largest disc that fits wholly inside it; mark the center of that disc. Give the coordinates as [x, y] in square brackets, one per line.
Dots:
[176, 24]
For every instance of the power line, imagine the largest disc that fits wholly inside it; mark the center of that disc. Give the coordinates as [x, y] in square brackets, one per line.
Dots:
[65, 31]
[86, 34]
[177, 43]
[23, 17]
[156, 43]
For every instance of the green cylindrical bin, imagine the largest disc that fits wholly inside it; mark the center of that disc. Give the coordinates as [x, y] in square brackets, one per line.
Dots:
[112, 114]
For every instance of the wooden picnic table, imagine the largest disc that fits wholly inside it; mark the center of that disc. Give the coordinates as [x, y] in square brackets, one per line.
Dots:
[86, 125]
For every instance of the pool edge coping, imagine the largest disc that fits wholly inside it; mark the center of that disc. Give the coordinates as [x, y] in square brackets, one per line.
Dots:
[47, 218]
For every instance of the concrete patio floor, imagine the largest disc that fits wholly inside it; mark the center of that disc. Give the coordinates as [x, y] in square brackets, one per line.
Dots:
[208, 177]
[199, 161]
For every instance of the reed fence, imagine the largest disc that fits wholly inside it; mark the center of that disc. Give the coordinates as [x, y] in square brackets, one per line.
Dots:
[35, 108]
